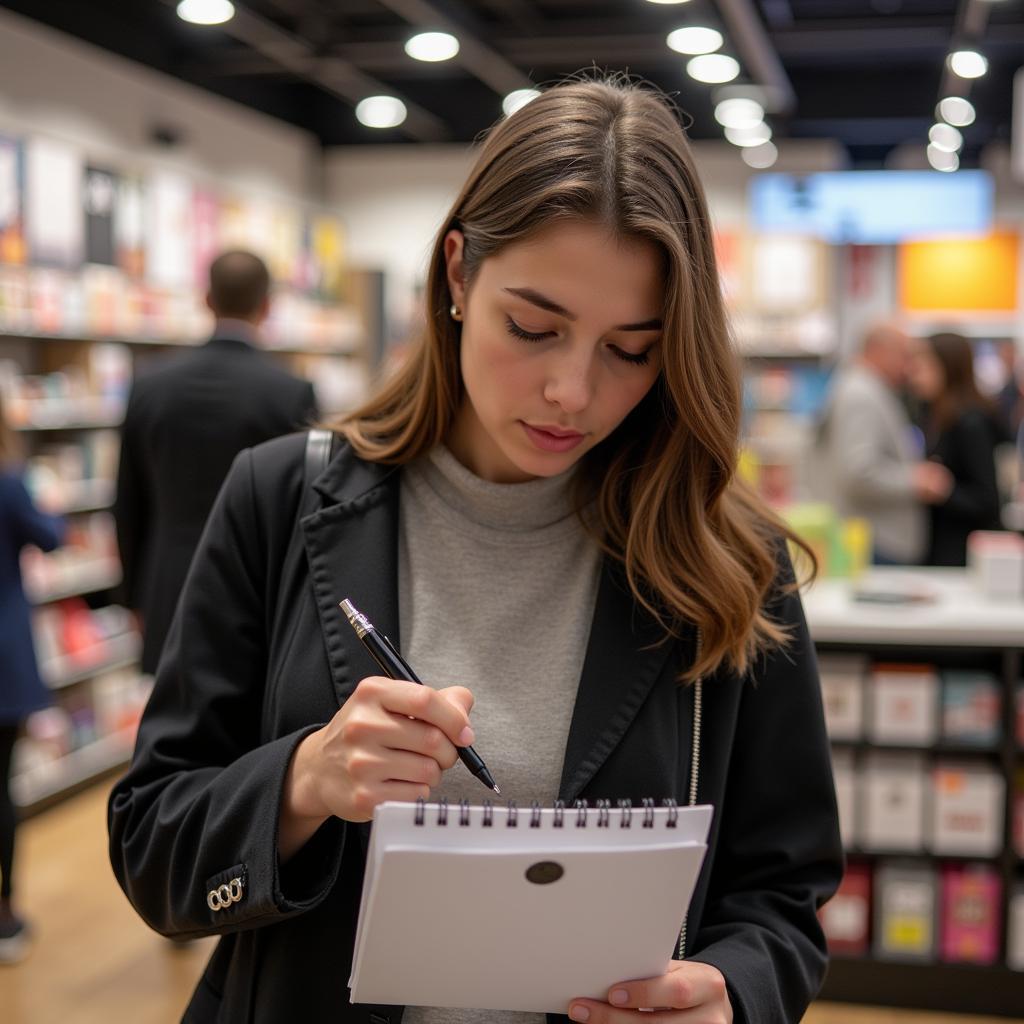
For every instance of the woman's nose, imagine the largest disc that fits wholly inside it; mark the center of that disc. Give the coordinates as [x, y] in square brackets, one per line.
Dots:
[569, 384]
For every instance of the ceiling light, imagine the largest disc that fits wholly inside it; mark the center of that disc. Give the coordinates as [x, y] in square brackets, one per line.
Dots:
[739, 113]
[667, 3]
[968, 63]
[432, 46]
[942, 160]
[713, 68]
[694, 39]
[754, 136]
[760, 157]
[955, 110]
[206, 12]
[518, 98]
[380, 112]
[945, 137]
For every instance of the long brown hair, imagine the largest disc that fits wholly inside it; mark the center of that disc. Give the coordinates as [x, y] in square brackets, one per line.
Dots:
[960, 387]
[10, 444]
[697, 546]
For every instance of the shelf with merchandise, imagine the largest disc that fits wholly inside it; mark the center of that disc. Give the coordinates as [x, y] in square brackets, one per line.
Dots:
[64, 670]
[923, 673]
[73, 770]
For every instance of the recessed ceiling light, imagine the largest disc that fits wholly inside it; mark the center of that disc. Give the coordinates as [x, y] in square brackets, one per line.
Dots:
[941, 160]
[713, 68]
[206, 12]
[945, 137]
[668, 3]
[739, 113]
[968, 63]
[518, 98]
[753, 136]
[955, 110]
[432, 46]
[694, 39]
[760, 157]
[380, 112]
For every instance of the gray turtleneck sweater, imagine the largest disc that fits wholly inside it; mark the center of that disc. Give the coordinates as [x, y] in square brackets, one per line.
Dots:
[497, 585]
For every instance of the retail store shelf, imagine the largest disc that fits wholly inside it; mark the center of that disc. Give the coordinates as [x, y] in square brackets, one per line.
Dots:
[87, 496]
[353, 346]
[118, 652]
[87, 577]
[74, 770]
[946, 988]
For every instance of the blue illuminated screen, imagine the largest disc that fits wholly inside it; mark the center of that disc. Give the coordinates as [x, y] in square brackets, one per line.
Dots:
[873, 207]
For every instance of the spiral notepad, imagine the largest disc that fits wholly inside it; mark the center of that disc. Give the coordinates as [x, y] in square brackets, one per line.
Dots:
[505, 908]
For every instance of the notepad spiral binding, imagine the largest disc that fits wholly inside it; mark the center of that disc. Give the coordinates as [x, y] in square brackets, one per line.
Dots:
[603, 810]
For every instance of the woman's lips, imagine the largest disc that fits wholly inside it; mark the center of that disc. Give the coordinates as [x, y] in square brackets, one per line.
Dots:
[548, 441]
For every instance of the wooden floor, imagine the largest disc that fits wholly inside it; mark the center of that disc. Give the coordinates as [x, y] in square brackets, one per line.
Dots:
[94, 962]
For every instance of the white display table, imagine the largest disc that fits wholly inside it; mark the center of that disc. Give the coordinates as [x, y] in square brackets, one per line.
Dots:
[958, 617]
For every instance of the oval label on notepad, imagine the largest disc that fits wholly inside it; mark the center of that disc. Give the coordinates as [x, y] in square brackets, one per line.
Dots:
[544, 872]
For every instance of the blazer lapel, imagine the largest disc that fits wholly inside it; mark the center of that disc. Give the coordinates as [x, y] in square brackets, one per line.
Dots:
[352, 547]
[622, 662]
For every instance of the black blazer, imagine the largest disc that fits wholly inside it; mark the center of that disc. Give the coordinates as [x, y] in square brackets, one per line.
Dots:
[186, 420]
[259, 655]
[966, 448]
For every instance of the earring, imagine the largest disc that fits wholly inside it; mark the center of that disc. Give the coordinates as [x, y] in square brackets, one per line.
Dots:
[455, 313]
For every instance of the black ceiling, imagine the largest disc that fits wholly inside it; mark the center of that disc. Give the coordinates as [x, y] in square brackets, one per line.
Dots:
[865, 72]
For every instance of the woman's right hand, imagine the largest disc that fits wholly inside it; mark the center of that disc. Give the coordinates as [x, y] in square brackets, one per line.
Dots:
[391, 740]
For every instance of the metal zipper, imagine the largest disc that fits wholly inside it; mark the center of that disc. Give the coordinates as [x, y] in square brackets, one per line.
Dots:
[698, 703]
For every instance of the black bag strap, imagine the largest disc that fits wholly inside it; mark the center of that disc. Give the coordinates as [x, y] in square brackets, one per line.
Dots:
[318, 454]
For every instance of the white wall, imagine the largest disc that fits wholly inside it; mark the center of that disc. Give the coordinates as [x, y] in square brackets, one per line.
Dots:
[393, 200]
[52, 84]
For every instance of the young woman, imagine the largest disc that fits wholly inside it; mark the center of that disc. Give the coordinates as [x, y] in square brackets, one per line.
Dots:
[21, 690]
[541, 508]
[961, 431]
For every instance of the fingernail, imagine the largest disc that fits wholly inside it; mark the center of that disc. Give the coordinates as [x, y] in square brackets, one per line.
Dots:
[579, 1013]
[619, 996]
[466, 737]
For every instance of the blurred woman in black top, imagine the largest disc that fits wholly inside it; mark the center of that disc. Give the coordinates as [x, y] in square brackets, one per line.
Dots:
[961, 432]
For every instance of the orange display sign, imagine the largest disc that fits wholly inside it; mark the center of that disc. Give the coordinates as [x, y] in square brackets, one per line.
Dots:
[960, 274]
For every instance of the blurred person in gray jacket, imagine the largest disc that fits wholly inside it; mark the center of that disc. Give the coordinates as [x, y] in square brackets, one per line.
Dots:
[865, 461]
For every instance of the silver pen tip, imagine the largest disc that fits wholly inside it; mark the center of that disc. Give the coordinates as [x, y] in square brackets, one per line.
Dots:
[496, 790]
[349, 609]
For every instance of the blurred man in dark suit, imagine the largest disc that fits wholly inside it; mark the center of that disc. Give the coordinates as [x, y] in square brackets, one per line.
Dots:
[186, 420]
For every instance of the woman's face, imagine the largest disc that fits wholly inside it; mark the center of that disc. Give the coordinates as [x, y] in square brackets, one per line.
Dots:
[560, 341]
[926, 376]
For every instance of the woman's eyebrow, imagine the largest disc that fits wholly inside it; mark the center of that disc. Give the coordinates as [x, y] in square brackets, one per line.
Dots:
[550, 306]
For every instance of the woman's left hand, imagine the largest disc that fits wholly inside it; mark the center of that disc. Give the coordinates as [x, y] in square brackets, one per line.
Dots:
[688, 993]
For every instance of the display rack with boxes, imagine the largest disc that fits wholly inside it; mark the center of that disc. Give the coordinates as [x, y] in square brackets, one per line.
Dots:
[926, 720]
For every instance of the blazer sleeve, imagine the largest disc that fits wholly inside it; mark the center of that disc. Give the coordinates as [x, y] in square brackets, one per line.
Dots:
[779, 855]
[31, 526]
[200, 804]
[131, 507]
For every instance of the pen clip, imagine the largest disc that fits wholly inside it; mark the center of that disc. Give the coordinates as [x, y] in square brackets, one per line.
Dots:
[390, 646]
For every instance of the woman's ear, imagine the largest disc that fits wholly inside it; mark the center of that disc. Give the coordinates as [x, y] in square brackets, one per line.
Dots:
[453, 243]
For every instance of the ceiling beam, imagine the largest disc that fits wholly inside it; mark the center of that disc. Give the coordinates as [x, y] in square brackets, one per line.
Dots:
[491, 67]
[968, 30]
[332, 74]
[754, 47]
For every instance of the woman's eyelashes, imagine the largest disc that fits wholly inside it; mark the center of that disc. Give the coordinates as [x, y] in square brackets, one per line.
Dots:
[633, 358]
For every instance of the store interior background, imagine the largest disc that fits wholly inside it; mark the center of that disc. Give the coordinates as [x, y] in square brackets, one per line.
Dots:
[228, 145]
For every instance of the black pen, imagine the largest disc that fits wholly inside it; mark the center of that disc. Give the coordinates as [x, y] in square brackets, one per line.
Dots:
[393, 665]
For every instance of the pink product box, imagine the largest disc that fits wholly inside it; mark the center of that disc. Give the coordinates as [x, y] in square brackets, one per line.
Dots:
[970, 902]
[1015, 933]
[903, 705]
